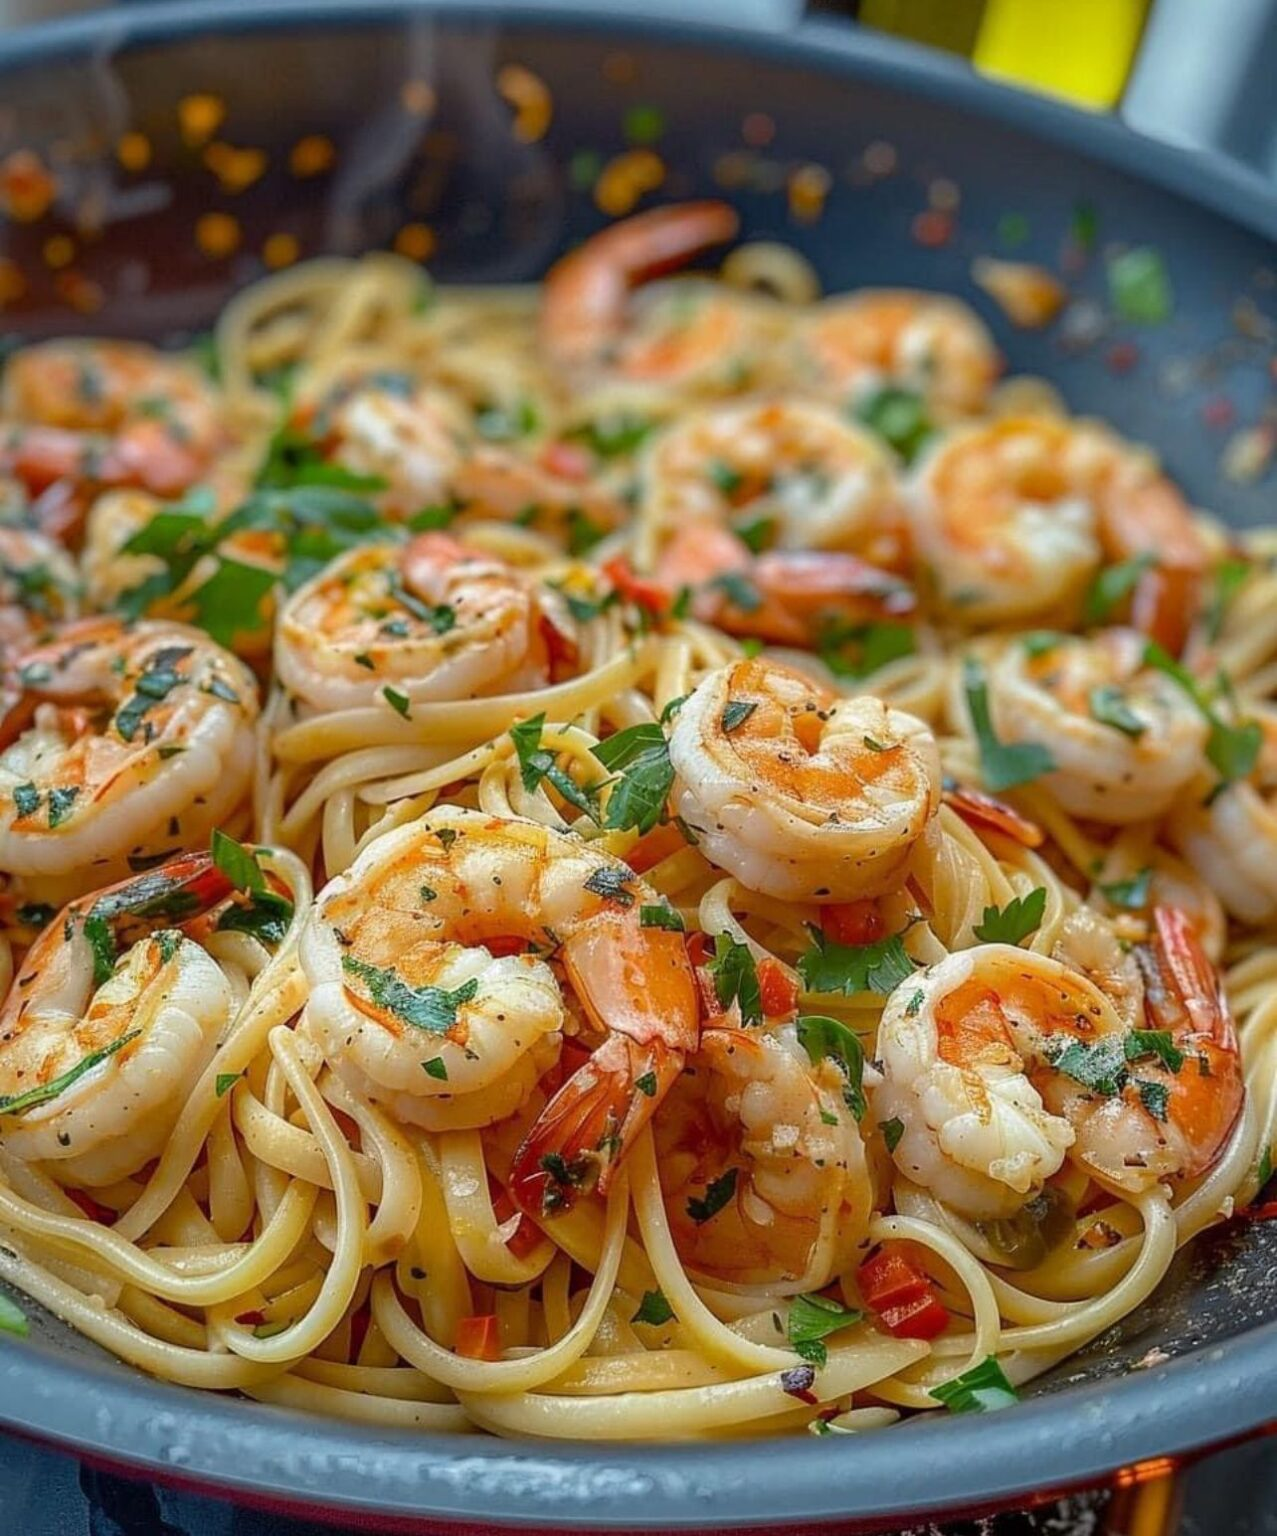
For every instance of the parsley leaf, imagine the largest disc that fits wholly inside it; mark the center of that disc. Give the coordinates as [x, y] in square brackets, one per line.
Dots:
[20, 1103]
[616, 434]
[736, 978]
[1003, 765]
[430, 1008]
[225, 1081]
[1142, 1043]
[851, 968]
[858, 650]
[892, 1130]
[399, 702]
[661, 916]
[736, 712]
[612, 884]
[1099, 1065]
[437, 1068]
[1230, 576]
[899, 417]
[1021, 916]
[26, 799]
[813, 1318]
[641, 756]
[980, 1390]
[1131, 893]
[537, 763]
[1232, 749]
[717, 1194]
[237, 863]
[654, 1310]
[1108, 706]
[1155, 1097]
[823, 1037]
[1139, 287]
[1112, 586]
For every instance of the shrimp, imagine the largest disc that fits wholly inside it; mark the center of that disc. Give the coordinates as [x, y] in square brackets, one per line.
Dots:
[91, 414]
[784, 596]
[114, 1014]
[1012, 520]
[695, 339]
[39, 585]
[427, 992]
[430, 618]
[754, 1109]
[1228, 832]
[799, 794]
[1000, 1062]
[410, 437]
[118, 742]
[1125, 738]
[879, 337]
[793, 470]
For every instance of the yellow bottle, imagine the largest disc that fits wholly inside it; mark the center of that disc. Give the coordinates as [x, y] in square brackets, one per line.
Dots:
[1079, 49]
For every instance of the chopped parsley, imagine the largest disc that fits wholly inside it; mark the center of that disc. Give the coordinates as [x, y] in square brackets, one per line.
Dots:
[612, 884]
[640, 755]
[654, 1310]
[982, 1389]
[437, 1068]
[12, 1318]
[736, 712]
[850, 968]
[825, 1038]
[1108, 705]
[892, 1130]
[1131, 893]
[899, 417]
[433, 1009]
[1231, 749]
[616, 434]
[661, 916]
[1230, 575]
[736, 978]
[739, 591]
[1113, 585]
[26, 799]
[1021, 916]
[812, 1319]
[20, 1103]
[225, 1081]
[1003, 765]
[399, 702]
[717, 1194]
[646, 1084]
[537, 763]
[1139, 286]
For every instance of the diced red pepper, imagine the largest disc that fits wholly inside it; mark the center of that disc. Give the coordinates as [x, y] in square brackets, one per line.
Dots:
[901, 1294]
[634, 589]
[526, 1235]
[777, 987]
[922, 1318]
[479, 1338]
[102, 1214]
[852, 922]
[505, 944]
[654, 846]
[699, 948]
[1265, 1212]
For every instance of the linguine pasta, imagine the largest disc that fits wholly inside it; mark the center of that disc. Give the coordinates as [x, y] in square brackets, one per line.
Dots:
[742, 896]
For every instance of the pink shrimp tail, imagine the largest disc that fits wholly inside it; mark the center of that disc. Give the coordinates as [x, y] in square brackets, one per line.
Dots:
[586, 1129]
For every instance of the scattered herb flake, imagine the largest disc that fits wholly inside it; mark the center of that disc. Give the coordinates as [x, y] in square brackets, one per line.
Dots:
[1021, 916]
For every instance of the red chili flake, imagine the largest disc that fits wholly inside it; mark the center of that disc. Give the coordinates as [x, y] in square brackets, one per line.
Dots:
[799, 1382]
[933, 228]
[1219, 411]
[1123, 357]
[103, 1215]
[251, 1319]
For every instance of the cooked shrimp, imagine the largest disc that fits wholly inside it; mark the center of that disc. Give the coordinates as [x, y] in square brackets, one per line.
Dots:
[424, 993]
[106, 413]
[1012, 520]
[550, 493]
[799, 794]
[412, 437]
[1124, 737]
[1000, 1062]
[689, 337]
[430, 618]
[114, 1014]
[785, 596]
[1228, 832]
[39, 585]
[119, 742]
[893, 336]
[796, 470]
[753, 1108]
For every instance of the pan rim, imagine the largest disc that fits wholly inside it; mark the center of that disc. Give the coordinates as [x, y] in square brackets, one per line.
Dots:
[237, 1447]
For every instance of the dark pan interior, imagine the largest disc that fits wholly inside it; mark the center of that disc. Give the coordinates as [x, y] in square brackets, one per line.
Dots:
[500, 209]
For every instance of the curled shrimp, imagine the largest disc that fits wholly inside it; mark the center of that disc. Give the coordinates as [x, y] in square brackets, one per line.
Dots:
[39, 585]
[926, 342]
[118, 743]
[1125, 738]
[589, 325]
[753, 1110]
[1012, 520]
[1228, 832]
[93, 414]
[785, 596]
[426, 995]
[431, 619]
[1000, 1062]
[115, 1012]
[800, 794]
[794, 472]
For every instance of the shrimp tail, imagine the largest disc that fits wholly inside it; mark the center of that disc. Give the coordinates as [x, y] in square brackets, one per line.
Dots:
[585, 1130]
[1185, 982]
[986, 813]
[182, 889]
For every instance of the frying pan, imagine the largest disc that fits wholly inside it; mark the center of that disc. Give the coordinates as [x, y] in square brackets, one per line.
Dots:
[883, 165]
